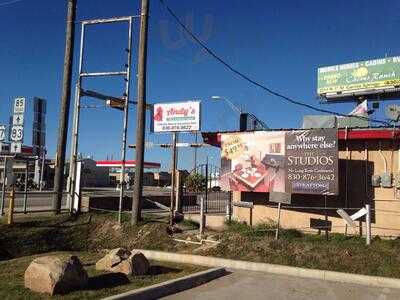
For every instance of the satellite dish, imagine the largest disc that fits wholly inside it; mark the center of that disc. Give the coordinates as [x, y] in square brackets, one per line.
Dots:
[393, 112]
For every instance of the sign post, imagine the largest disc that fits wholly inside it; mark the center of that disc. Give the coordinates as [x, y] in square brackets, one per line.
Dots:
[17, 128]
[175, 117]
[279, 197]
[3, 188]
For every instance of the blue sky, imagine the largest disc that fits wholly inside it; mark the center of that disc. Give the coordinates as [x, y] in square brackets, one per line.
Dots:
[279, 43]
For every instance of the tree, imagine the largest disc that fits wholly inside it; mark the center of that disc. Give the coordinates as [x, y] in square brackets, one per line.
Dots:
[196, 182]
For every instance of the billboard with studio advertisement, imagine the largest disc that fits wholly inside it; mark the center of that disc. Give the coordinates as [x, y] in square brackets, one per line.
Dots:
[296, 162]
[176, 117]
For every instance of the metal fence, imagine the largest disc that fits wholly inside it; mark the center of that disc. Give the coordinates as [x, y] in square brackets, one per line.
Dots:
[214, 202]
[207, 187]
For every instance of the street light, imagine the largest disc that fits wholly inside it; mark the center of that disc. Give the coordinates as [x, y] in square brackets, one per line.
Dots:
[231, 105]
[245, 118]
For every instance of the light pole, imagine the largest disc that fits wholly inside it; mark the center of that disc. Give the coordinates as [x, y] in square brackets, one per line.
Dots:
[244, 118]
[230, 103]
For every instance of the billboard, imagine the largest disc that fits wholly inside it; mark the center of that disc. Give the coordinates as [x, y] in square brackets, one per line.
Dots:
[296, 162]
[364, 77]
[176, 117]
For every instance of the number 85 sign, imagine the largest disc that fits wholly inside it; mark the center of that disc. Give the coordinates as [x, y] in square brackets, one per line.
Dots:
[17, 133]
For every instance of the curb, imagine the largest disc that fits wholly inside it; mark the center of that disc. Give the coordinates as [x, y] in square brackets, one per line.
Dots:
[171, 286]
[374, 281]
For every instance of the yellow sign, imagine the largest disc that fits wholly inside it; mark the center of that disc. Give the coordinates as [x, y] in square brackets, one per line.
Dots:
[233, 147]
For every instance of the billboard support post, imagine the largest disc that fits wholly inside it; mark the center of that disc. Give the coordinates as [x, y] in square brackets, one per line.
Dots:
[368, 223]
[326, 220]
[279, 221]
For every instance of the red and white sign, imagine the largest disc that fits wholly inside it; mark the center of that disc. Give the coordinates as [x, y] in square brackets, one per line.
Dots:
[128, 163]
[175, 117]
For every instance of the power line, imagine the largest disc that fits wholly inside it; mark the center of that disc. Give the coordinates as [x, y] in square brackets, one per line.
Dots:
[254, 82]
[9, 2]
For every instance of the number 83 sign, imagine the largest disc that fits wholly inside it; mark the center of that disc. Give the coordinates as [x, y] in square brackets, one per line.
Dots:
[17, 133]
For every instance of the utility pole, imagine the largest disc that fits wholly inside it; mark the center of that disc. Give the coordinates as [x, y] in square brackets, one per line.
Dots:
[65, 104]
[141, 114]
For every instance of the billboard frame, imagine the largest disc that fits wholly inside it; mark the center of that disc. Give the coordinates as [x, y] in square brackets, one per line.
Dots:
[175, 131]
[345, 91]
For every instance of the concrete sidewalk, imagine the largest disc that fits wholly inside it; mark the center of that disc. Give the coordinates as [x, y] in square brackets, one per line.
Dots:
[253, 285]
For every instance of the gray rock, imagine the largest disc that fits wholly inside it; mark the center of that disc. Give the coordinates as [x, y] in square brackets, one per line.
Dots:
[121, 260]
[55, 275]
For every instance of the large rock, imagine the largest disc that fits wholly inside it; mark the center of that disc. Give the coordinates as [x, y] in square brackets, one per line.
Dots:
[121, 260]
[55, 275]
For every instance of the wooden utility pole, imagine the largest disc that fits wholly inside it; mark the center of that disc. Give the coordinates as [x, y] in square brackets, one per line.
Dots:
[65, 104]
[141, 114]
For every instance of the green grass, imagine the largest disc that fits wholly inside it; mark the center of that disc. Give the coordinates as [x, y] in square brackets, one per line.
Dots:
[97, 231]
[189, 224]
[101, 284]
[339, 253]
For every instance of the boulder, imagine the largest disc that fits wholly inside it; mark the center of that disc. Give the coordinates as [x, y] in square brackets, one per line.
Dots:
[121, 260]
[55, 275]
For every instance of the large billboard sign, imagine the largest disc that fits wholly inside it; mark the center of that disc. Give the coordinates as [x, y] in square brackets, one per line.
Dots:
[296, 162]
[359, 78]
[176, 117]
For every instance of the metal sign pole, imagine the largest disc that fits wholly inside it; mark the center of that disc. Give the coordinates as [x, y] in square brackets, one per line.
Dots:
[74, 150]
[75, 126]
[42, 169]
[26, 186]
[368, 224]
[173, 175]
[3, 190]
[326, 220]
[125, 124]
[279, 221]
[202, 217]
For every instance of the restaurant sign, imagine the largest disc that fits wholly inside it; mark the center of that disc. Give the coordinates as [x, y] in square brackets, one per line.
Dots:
[176, 117]
[295, 162]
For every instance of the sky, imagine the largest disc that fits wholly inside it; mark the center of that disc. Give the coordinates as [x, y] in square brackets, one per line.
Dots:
[279, 43]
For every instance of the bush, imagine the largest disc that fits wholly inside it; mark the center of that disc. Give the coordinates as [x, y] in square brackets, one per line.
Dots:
[196, 183]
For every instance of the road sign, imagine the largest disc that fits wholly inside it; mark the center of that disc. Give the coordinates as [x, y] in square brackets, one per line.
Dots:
[17, 133]
[182, 144]
[18, 119]
[2, 133]
[16, 147]
[19, 105]
[280, 197]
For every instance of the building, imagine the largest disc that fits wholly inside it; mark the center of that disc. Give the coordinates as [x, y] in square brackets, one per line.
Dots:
[113, 169]
[365, 156]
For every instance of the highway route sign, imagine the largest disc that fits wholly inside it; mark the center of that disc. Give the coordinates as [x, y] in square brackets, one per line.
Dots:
[15, 147]
[17, 133]
[19, 105]
[2, 133]
[18, 119]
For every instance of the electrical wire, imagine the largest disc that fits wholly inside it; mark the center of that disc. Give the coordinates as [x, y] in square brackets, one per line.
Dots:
[9, 2]
[253, 81]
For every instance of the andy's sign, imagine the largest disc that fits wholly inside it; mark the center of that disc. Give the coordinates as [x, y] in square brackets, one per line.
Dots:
[176, 117]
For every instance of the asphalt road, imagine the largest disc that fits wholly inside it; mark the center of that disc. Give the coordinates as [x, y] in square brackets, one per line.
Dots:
[252, 285]
[42, 200]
